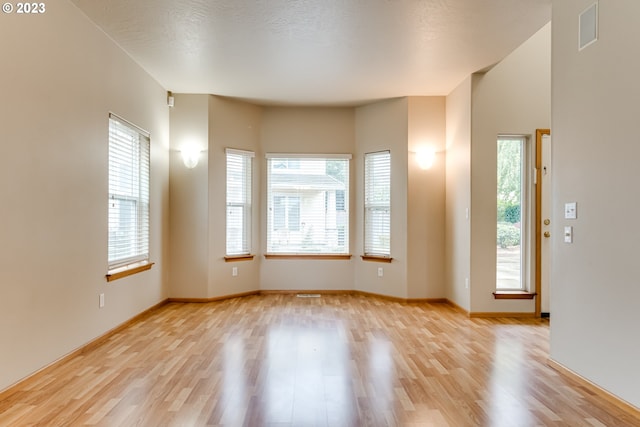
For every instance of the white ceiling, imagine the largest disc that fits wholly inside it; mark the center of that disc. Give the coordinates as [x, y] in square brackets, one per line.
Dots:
[316, 52]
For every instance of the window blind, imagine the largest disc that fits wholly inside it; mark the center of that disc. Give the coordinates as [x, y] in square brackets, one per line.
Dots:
[307, 204]
[128, 213]
[239, 177]
[377, 203]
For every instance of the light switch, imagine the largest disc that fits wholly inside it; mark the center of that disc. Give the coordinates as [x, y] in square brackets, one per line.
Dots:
[568, 234]
[570, 210]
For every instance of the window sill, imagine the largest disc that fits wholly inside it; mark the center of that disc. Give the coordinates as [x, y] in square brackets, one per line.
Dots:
[376, 258]
[513, 295]
[234, 258]
[128, 270]
[309, 256]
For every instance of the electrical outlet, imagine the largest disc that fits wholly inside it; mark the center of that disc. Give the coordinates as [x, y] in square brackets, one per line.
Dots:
[466, 283]
[380, 272]
[234, 271]
[101, 301]
[568, 234]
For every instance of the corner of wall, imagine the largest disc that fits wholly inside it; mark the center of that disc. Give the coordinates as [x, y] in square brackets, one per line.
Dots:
[232, 124]
[188, 197]
[426, 198]
[458, 194]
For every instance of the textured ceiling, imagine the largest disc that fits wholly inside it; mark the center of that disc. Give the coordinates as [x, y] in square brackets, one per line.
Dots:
[314, 52]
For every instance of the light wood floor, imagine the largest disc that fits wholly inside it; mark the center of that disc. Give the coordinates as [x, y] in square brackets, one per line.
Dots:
[278, 360]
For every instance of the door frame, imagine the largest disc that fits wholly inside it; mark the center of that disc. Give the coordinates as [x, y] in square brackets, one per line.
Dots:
[538, 220]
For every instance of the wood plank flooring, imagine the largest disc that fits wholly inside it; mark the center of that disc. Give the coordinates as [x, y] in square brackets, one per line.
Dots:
[279, 360]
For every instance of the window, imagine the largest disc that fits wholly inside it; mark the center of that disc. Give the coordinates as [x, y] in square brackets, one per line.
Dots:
[511, 213]
[307, 204]
[283, 164]
[286, 213]
[377, 204]
[239, 201]
[128, 194]
[340, 202]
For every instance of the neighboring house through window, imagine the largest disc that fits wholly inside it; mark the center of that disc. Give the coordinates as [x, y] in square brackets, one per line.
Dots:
[307, 204]
[128, 212]
[286, 213]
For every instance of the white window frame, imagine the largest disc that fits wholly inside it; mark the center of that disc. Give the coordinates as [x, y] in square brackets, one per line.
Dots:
[525, 213]
[377, 203]
[239, 243]
[129, 176]
[298, 182]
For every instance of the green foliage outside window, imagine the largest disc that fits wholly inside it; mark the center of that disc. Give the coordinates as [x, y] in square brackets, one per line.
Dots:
[509, 192]
[508, 235]
[508, 212]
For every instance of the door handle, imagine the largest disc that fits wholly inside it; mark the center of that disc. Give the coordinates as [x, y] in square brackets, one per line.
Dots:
[547, 234]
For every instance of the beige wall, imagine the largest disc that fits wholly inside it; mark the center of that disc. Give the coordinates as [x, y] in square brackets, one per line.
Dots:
[512, 98]
[595, 292]
[458, 195]
[426, 199]
[198, 196]
[188, 189]
[384, 126]
[232, 124]
[61, 77]
[306, 130]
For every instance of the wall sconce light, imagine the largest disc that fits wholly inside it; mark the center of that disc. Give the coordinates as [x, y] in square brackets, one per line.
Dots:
[425, 158]
[190, 156]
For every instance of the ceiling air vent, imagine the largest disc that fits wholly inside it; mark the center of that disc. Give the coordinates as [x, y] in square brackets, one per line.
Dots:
[588, 26]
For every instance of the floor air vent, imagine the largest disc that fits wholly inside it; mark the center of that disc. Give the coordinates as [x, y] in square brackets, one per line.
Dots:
[308, 295]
